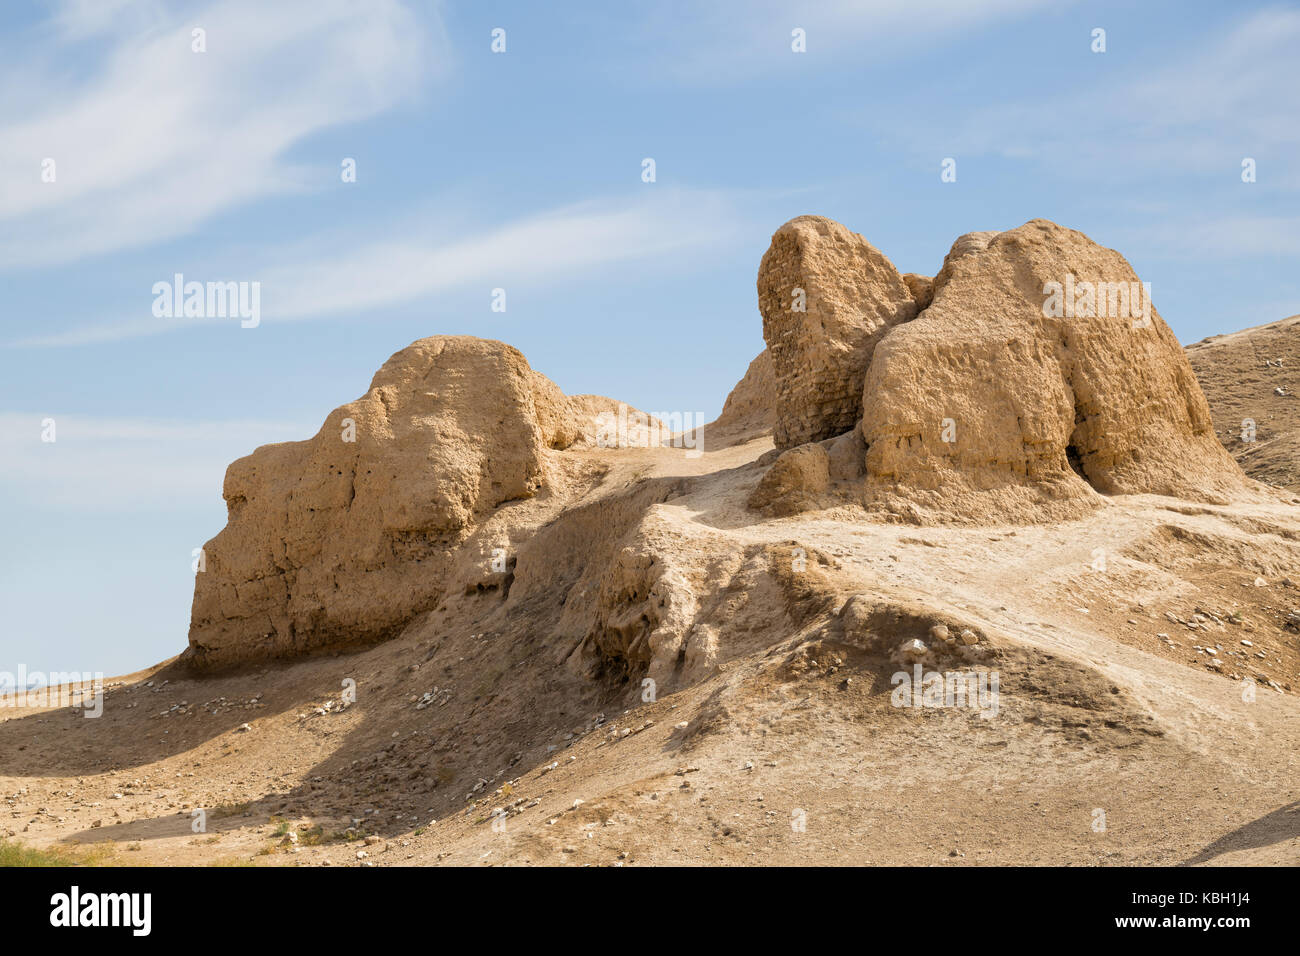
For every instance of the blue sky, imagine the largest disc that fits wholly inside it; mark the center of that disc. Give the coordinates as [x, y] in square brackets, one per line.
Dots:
[522, 170]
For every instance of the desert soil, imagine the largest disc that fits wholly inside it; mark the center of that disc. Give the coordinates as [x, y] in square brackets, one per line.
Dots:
[1119, 737]
[1254, 375]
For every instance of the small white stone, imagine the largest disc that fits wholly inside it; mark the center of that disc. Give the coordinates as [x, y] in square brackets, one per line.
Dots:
[913, 649]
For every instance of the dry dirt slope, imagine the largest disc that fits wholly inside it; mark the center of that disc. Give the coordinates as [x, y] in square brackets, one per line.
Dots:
[1110, 743]
[1242, 374]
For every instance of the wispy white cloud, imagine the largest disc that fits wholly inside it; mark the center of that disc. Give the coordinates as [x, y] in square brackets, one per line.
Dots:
[124, 464]
[551, 245]
[76, 20]
[156, 138]
[1201, 113]
[326, 277]
[1228, 237]
[97, 334]
[732, 40]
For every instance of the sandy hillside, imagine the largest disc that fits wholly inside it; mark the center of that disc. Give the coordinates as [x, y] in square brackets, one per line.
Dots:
[588, 641]
[1254, 375]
